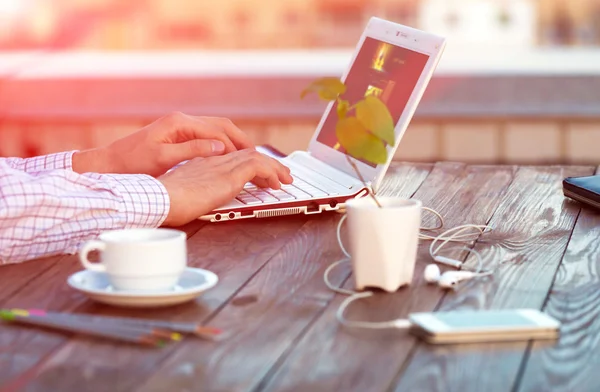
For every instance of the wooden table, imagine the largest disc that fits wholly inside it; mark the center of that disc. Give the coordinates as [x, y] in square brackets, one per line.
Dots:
[272, 299]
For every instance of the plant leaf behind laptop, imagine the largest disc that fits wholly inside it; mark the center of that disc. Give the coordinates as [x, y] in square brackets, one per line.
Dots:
[362, 129]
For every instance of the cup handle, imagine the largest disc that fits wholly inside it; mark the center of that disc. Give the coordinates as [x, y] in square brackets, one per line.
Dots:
[86, 249]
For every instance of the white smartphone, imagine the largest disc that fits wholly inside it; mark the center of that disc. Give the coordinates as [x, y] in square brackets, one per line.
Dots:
[478, 326]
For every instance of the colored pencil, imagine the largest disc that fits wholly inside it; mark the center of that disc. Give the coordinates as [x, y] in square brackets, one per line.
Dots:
[179, 327]
[121, 334]
[157, 332]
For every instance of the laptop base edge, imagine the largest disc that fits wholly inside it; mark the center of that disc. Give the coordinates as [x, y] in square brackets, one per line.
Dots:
[316, 206]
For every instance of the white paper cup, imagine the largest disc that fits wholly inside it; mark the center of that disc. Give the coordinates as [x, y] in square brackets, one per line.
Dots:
[383, 241]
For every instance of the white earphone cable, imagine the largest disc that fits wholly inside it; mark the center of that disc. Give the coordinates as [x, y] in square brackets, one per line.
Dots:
[399, 323]
[456, 234]
[328, 282]
[339, 236]
[438, 215]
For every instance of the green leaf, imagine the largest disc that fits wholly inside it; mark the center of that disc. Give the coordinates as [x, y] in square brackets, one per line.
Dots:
[359, 142]
[328, 88]
[342, 108]
[376, 117]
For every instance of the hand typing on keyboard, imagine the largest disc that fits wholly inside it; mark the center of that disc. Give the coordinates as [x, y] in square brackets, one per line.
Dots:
[203, 184]
[298, 190]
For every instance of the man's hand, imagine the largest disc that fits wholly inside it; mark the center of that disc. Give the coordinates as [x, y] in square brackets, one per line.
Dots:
[161, 145]
[201, 185]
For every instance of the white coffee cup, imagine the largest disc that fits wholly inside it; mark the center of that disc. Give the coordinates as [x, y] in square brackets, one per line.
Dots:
[139, 259]
[383, 241]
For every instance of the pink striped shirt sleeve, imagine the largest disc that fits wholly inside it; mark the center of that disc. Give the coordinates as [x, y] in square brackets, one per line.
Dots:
[48, 209]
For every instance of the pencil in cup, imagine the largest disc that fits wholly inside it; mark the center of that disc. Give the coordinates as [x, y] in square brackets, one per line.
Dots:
[178, 327]
[132, 335]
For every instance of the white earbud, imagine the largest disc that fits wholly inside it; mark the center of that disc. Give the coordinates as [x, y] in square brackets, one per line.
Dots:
[432, 273]
[452, 278]
[448, 279]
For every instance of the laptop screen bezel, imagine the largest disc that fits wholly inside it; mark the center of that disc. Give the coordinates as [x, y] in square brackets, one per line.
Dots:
[404, 37]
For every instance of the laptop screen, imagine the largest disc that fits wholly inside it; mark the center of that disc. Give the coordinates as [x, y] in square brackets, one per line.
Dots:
[390, 72]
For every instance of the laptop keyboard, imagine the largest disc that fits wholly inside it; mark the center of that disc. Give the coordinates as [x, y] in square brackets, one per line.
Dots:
[298, 190]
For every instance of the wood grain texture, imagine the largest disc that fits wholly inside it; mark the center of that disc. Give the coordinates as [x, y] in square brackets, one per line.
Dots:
[15, 276]
[572, 364]
[403, 179]
[270, 313]
[14, 348]
[532, 227]
[330, 357]
[22, 348]
[235, 251]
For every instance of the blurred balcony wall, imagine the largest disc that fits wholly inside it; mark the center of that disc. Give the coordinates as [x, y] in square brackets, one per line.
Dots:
[536, 107]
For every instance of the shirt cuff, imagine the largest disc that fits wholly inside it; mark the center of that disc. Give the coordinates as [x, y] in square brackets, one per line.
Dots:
[58, 161]
[146, 200]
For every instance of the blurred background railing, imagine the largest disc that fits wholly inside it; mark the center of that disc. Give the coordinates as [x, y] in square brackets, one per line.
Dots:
[519, 82]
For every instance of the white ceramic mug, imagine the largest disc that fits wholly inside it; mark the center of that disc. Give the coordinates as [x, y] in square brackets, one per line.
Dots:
[383, 241]
[139, 259]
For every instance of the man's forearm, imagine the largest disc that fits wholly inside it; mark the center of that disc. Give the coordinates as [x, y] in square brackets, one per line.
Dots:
[54, 212]
[97, 160]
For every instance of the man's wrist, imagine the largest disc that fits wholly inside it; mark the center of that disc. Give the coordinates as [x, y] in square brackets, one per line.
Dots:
[146, 200]
[96, 160]
[170, 220]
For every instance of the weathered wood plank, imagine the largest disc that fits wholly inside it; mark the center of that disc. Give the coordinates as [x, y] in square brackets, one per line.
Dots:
[330, 357]
[403, 179]
[572, 364]
[532, 228]
[270, 313]
[15, 276]
[234, 251]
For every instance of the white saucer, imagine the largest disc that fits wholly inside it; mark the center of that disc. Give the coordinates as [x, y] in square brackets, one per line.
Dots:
[96, 286]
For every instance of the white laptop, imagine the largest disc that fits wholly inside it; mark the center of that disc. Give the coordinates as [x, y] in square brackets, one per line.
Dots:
[394, 62]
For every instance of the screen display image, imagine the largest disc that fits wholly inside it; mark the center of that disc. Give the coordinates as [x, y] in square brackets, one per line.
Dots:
[387, 71]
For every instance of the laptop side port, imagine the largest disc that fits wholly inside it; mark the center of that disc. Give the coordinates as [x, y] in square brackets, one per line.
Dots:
[247, 213]
[312, 208]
